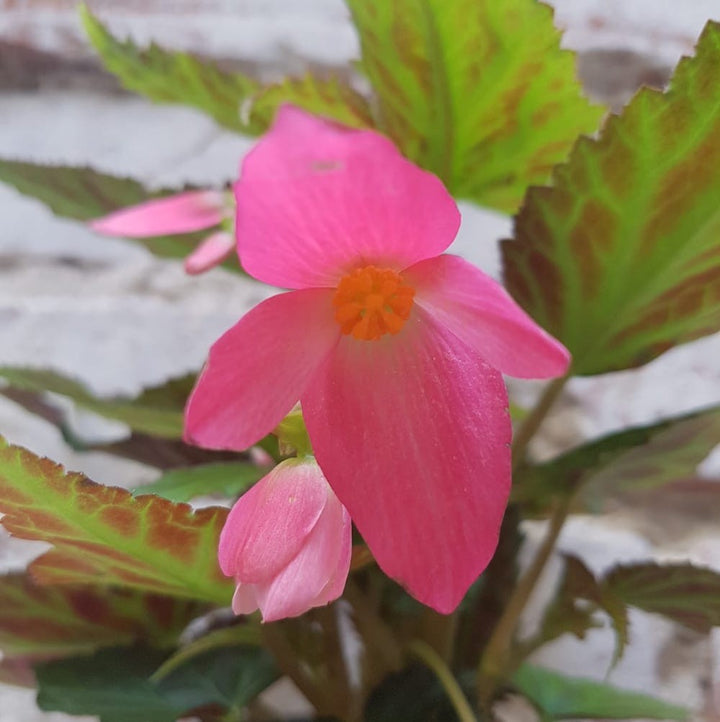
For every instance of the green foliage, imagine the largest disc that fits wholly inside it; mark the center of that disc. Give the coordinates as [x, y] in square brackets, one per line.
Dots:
[228, 479]
[245, 633]
[622, 464]
[559, 697]
[158, 410]
[672, 453]
[411, 695]
[176, 77]
[113, 684]
[329, 96]
[84, 194]
[572, 610]
[477, 91]
[234, 100]
[684, 593]
[162, 453]
[116, 684]
[55, 621]
[229, 677]
[80, 193]
[619, 259]
[103, 535]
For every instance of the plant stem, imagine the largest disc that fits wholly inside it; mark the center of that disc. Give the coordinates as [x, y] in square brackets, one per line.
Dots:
[334, 658]
[438, 630]
[380, 641]
[290, 665]
[529, 427]
[234, 714]
[496, 658]
[225, 637]
[496, 586]
[434, 661]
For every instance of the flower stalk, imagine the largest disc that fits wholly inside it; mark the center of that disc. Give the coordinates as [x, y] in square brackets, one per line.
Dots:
[290, 664]
[438, 631]
[435, 662]
[496, 659]
[524, 435]
[379, 640]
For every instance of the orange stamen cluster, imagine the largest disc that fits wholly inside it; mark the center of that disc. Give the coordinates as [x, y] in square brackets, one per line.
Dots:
[370, 302]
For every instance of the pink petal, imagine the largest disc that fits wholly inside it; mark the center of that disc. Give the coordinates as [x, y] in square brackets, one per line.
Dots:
[270, 523]
[181, 213]
[479, 310]
[258, 370]
[413, 434]
[315, 200]
[304, 581]
[244, 601]
[211, 252]
[336, 585]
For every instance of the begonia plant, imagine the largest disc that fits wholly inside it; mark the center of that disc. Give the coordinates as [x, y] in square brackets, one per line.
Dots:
[371, 462]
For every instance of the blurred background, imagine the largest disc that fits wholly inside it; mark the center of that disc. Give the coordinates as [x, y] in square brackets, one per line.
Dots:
[109, 313]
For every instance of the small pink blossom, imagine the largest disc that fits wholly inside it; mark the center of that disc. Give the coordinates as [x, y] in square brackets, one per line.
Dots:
[287, 543]
[211, 252]
[181, 213]
[395, 351]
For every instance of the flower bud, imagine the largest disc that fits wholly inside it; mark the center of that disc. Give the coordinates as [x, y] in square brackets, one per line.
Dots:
[287, 543]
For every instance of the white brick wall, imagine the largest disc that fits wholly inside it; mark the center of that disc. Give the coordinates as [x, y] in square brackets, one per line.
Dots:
[320, 31]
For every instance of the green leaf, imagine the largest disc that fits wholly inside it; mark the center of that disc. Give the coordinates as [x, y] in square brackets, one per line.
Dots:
[559, 697]
[158, 410]
[103, 535]
[115, 683]
[673, 451]
[56, 621]
[235, 101]
[565, 615]
[684, 593]
[620, 258]
[176, 77]
[330, 97]
[620, 465]
[84, 194]
[80, 193]
[230, 677]
[150, 450]
[476, 91]
[411, 695]
[695, 498]
[230, 479]
[243, 633]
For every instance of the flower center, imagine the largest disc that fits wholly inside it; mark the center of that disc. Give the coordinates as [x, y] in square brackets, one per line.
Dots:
[370, 302]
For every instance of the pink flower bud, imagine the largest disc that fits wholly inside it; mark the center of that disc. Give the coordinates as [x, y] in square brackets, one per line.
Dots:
[287, 543]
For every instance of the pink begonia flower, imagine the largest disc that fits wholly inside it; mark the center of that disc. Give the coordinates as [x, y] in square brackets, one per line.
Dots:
[395, 352]
[181, 213]
[287, 543]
